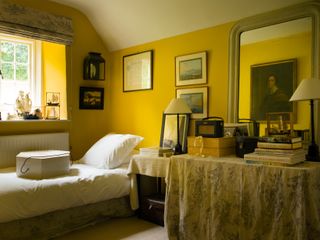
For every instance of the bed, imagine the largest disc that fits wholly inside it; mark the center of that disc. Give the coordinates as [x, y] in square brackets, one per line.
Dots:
[96, 188]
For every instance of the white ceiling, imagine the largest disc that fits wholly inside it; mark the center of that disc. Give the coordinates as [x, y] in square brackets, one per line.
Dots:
[126, 23]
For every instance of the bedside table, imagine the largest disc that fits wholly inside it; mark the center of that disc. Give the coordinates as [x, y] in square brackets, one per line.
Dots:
[151, 206]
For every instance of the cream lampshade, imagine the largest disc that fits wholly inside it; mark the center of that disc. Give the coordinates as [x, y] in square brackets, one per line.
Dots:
[309, 89]
[177, 106]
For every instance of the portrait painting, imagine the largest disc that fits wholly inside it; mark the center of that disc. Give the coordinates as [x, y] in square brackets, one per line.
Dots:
[272, 85]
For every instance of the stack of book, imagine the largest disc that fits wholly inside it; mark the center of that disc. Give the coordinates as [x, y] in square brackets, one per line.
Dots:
[276, 151]
[156, 151]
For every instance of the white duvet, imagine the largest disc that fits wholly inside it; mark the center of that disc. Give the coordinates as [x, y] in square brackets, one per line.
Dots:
[23, 198]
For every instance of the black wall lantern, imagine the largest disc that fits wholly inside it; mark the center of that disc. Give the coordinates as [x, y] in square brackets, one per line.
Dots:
[94, 67]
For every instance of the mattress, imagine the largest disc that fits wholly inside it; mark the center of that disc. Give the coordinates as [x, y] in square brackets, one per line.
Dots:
[23, 198]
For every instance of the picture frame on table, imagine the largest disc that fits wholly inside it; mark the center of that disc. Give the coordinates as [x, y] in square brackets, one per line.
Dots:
[272, 85]
[138, 71]
[91, 98]
[197, 100]
[191, 69]
[168, 137]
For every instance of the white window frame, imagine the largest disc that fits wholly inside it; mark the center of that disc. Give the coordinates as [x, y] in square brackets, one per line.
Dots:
[35, 66]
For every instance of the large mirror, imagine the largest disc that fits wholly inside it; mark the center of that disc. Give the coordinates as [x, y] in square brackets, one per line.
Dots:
[280, 47]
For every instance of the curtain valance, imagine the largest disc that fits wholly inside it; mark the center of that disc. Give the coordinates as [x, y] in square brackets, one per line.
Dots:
[28, 22]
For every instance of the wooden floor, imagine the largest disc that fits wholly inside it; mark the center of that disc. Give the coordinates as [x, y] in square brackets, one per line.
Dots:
[131, 228]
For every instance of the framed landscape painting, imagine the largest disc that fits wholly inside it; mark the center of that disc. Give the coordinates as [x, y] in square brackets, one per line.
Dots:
[191, 69]
[91, 98]
[196, 99]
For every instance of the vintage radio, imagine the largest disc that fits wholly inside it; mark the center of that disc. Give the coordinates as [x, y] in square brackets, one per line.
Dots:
[211, 127]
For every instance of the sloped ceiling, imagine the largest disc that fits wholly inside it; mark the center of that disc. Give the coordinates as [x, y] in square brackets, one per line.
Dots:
[126, 23]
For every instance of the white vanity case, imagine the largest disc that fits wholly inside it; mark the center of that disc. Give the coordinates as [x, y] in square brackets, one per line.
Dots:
[42, 164]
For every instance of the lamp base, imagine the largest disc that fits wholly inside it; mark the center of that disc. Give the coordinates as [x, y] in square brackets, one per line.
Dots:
[178, 149]
[313, 153]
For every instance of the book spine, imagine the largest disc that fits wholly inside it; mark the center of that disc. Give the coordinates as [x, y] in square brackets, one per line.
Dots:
[279, 151]
[279, 145]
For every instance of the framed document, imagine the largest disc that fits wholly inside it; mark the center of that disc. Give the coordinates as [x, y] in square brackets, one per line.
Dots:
[137, 71]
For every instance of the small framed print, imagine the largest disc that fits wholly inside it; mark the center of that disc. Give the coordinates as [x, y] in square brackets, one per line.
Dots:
[197, 100]
[137, 71]
[91, 98]
[191, 69]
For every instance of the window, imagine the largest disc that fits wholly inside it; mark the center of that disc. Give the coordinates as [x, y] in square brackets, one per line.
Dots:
[19, 70]
[34, 67]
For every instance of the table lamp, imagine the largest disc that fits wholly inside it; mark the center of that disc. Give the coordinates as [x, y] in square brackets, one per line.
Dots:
[309, 89]
[177, 106]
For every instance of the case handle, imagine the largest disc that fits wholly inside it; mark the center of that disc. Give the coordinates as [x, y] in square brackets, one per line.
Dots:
[213, 117]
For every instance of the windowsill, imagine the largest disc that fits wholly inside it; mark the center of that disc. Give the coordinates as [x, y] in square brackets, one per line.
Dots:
[34, 120]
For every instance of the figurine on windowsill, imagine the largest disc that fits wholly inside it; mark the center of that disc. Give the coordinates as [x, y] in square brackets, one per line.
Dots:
[23, 104]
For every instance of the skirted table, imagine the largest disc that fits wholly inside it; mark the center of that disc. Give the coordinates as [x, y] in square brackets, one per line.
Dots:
[225, 198]
[145, 165]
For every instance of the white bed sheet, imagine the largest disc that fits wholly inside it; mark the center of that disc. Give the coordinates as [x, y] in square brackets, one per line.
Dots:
[24, 198]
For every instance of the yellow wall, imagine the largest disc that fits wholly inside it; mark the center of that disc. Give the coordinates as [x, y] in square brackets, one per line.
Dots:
[296, 46]
[86, 126]
[140, 112]
[137, 112]
[54, 73]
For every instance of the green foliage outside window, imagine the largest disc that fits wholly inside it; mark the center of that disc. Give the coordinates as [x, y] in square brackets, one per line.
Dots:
[14, 61]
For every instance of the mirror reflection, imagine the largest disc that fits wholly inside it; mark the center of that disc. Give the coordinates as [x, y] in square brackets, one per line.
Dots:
[273, 61]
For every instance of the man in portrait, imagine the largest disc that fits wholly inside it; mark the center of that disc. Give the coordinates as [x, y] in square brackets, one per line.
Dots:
[275, 100]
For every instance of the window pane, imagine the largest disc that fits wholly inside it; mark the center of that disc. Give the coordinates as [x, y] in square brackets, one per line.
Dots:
[7, 51]
[7, 71]
[22, 72]
[22, 53]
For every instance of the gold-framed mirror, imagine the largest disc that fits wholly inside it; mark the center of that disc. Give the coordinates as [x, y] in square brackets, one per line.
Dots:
[304, 19]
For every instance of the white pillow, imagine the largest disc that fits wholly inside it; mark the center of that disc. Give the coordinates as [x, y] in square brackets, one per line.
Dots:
[111, 151]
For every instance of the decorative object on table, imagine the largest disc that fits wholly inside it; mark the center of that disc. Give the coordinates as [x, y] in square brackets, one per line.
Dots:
[245, 144]
[253, 126]
[53, 105]
[210, 127]
[196, 99]
[272, 84]
[94, 67]
[191, 69]
[308, 89]
[156, 151]
[175, 124]
[236, 129]
[216, 147]
[91, 98]
[280, 123]
[23, 104]
[137, 71]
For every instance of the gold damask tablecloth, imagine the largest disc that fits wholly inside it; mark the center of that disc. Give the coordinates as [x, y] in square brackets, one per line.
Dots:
[226, 199]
